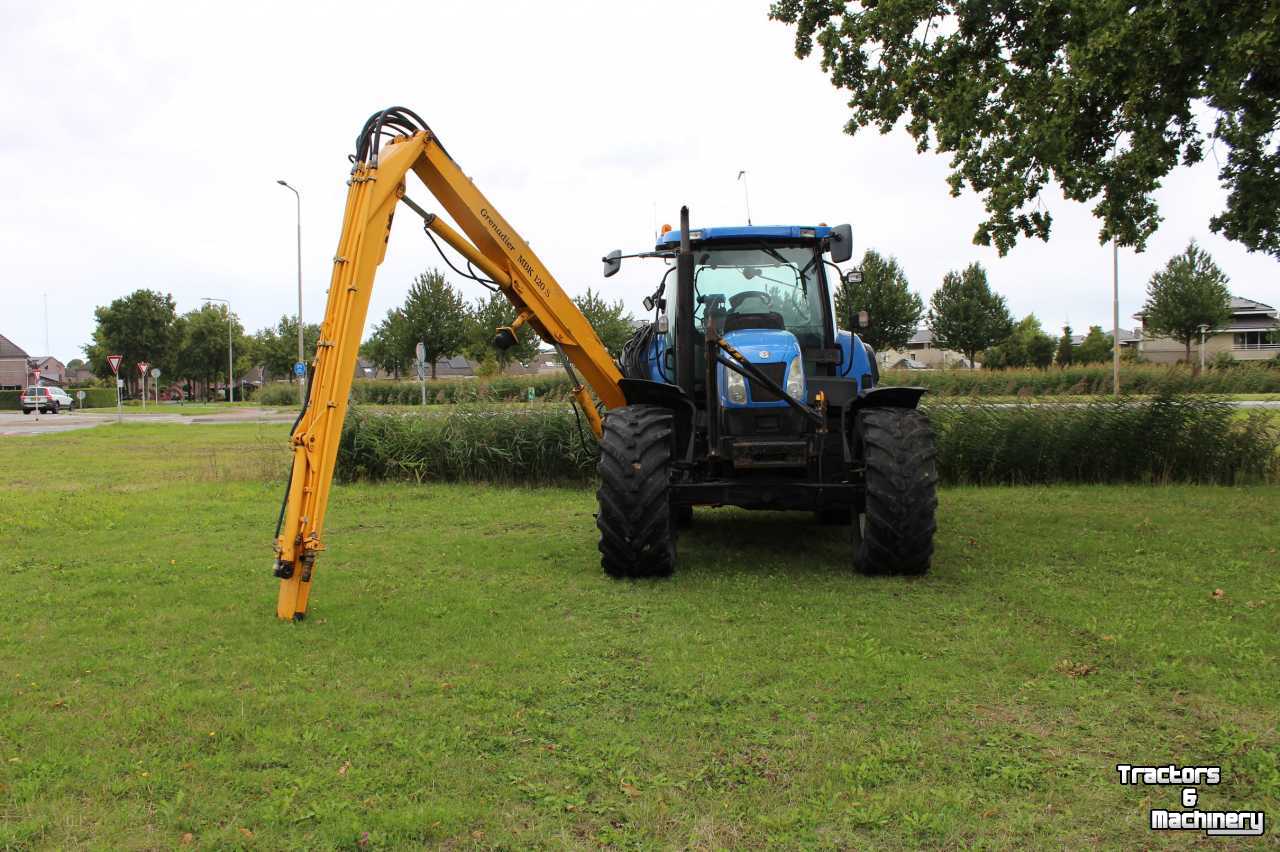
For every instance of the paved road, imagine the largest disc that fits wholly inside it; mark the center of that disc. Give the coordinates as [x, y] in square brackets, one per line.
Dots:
[17, 423]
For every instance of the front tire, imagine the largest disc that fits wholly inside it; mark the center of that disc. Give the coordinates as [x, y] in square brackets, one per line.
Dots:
[635, 518]
[894, 535]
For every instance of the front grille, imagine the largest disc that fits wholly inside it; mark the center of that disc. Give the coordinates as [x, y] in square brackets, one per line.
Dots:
[760, 393]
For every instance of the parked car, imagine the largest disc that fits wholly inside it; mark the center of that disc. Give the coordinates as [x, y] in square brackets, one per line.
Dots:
[45, 398]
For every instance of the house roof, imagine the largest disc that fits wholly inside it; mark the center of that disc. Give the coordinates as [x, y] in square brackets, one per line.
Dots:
[9, 349]
[922, 337]
[1240, 307]
[1249, 306]
[1126, 336]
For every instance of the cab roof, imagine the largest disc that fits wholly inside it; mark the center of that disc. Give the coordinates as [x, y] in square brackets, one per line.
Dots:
[748, 232]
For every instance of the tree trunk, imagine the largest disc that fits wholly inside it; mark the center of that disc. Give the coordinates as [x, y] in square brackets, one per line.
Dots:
[433, 370]
[1195, 365]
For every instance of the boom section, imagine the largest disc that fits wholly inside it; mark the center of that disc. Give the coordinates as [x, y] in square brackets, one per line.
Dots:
[492, 245]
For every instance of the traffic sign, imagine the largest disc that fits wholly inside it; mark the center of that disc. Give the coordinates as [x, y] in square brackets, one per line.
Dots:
[142, 367]
[156, 372]
[80, 395]
[299, 369]
[421, 351]
[114, 361]
[36, 373]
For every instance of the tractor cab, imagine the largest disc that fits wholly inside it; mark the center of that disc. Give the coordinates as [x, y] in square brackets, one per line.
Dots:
[768, 293]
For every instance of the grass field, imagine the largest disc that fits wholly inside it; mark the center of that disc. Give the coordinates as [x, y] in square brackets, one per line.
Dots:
[469, 678]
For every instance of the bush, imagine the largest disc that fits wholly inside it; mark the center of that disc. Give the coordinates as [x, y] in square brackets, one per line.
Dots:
[277, 393]
[1166, 439]
[1147, 379]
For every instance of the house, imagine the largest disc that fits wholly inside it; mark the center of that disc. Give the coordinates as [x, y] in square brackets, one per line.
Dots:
[1252, 334]
[1128, 337]
[920, 352]
[52, 371]
[14, 365]
[80, 376]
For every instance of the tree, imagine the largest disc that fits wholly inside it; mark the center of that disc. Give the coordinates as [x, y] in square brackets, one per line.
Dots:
[886, 296]
[203, 352]
[965, 315]
[612, 323]
[484, 318]
[75, 364]
[1101, 98]
[390, 347]
[1095, 348]
[140, 327]
[276, 348]
[1026, 346]
[1189, 292]
[435, 315]
[1066, 353]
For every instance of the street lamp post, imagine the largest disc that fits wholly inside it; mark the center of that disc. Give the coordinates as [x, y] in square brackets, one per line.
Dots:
[1203, 330]
[302, 393]
[1115, 317]
[231, 393]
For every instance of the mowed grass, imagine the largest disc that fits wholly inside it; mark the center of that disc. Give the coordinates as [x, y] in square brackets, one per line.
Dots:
[469, 678]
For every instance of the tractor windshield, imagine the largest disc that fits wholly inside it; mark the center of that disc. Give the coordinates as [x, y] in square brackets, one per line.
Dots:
[760, 286]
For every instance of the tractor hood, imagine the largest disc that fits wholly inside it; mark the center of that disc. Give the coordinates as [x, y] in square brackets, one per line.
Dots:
[773, 350]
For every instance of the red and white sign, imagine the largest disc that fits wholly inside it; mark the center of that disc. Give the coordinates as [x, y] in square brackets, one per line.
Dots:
[114, 361]
[143, 366]
[36, 373]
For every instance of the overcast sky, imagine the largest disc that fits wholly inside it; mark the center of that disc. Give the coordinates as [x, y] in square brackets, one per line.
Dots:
[141, 144]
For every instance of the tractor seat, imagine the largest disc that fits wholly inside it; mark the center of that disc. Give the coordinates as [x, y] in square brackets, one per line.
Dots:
[734, 322]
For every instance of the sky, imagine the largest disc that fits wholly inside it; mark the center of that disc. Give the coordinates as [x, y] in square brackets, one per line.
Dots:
[142, 142]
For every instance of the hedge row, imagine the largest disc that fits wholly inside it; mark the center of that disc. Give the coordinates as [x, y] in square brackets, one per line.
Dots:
[547, 386]
[1192, 438]
[1134, 378]
[525, 444]
[1167, 439]
[1144, 379]
[94, 397]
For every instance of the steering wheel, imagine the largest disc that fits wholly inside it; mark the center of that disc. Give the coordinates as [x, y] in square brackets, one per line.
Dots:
[738, 298]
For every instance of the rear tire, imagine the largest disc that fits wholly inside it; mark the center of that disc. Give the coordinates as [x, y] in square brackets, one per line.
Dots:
[895, 534]
[26, 411]
[636, 522]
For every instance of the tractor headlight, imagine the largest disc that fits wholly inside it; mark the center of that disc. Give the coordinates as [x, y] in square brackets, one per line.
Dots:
[735, 386]
[795, 379]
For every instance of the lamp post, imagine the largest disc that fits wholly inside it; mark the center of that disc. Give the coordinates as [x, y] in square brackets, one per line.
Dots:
[1203, 330]
[231, 393]
[302, 393]
[1115, 317]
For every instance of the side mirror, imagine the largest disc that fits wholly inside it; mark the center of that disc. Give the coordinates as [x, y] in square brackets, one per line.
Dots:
[864, 319]
[612, 263]
[853, 276]
[841, 243]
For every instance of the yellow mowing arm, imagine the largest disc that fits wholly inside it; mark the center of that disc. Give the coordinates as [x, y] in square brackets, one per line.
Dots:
[489, 242]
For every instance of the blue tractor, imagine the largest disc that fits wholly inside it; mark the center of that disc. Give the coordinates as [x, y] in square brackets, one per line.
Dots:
[743, 392]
